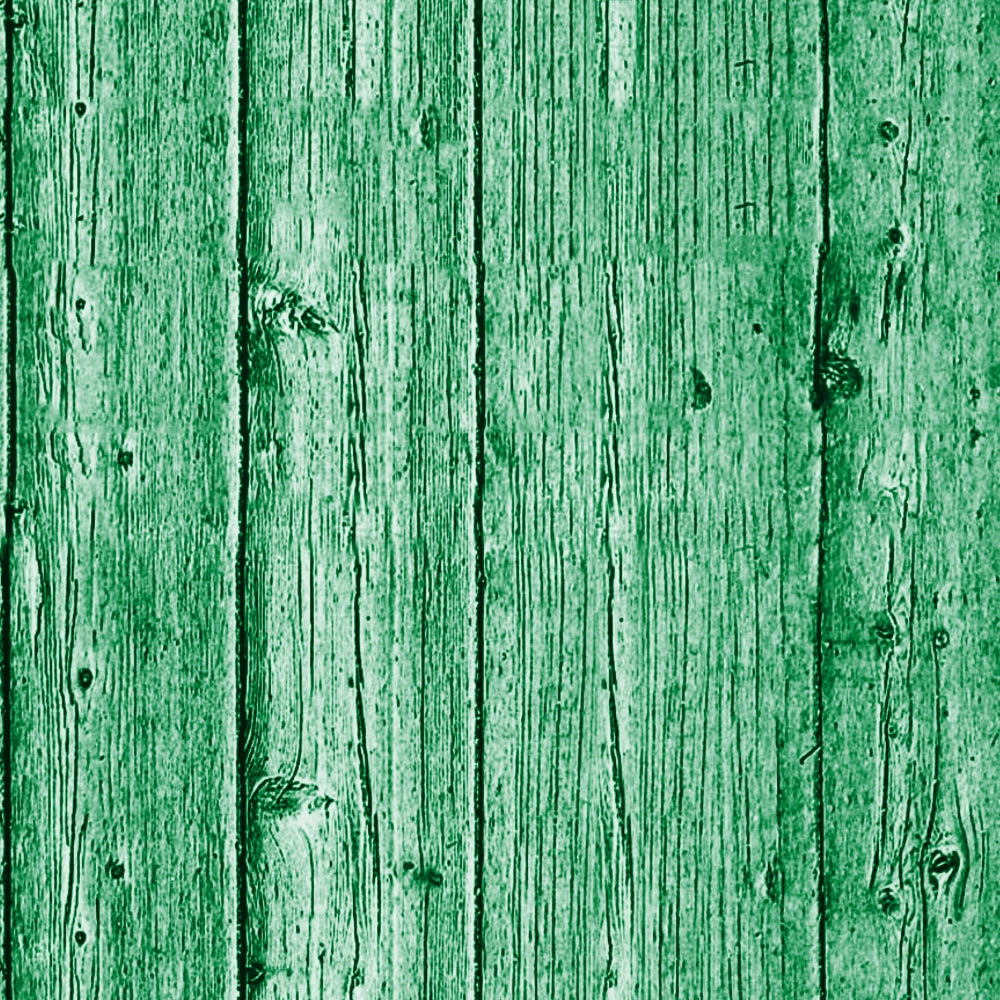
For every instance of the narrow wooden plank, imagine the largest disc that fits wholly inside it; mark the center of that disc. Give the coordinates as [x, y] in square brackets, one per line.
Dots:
[653, 500]
[8, 338]
[359, 533]
[911, 591]
[122, 561]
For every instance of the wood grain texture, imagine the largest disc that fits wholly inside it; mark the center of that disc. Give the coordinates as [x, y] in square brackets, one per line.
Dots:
[560, 437]
[122, 549]
[359, 530]
[653, 500]
[911, 588]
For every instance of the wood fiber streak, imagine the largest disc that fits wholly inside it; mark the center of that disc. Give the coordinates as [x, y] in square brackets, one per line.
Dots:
[359, 535]
[912, 590]
[122, 559]
[652, 499]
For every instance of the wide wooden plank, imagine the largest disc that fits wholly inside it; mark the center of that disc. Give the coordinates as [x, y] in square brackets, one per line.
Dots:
[652, 499]
[122, 641]
[359, 543]
[911, 590]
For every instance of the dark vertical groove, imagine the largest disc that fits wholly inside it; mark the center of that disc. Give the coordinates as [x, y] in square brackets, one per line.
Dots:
[617, 774]
[364, 770]
[10, 506]
[479, 778]
[819, 401]
[242, 641]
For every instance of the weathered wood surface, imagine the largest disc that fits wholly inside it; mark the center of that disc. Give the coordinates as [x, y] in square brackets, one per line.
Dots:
[677, 320]
[654, 497]
[121, 537]
[359, 535]
[911, 591]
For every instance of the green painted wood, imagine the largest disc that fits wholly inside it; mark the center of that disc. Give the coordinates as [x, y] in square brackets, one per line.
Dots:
[122, 740]
[739, 278]
[360, 618]
[653, 500]
[911, 592]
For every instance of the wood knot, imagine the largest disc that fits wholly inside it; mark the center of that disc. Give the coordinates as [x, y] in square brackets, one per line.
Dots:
[884, 630]
[282, 797]
[428, 876]
[888, 901]
[701, 391]
[941, 867]
[889, 130]
[840, 378]
[254, 973]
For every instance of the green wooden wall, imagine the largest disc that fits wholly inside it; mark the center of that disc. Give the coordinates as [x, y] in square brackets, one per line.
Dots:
[501, 500]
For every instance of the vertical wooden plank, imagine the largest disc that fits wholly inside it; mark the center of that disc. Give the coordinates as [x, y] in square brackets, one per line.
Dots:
[8, 338]
[359, 527]
[911, 592]
[653, 499]
[122, 560]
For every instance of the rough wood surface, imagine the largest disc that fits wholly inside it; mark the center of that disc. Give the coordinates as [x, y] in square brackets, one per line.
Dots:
[676, 320]
[122, 644]
[653, 498]
[359, 538]
[911, 592]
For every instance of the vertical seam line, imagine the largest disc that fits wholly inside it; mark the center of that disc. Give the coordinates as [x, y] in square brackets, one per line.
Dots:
[820, 401]
[242, 641]
[479, 780]
[10, 507]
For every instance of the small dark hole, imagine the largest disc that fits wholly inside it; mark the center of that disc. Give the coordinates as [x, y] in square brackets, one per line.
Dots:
[941, 638]
[117, 871]
[80, 303]
[80, 937]
[408, 866]
[80, 108]
[895, 235]
[125, 458]
[85, 677]
[757, 328]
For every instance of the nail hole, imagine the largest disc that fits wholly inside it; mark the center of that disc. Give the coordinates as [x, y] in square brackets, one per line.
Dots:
[85, 677]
